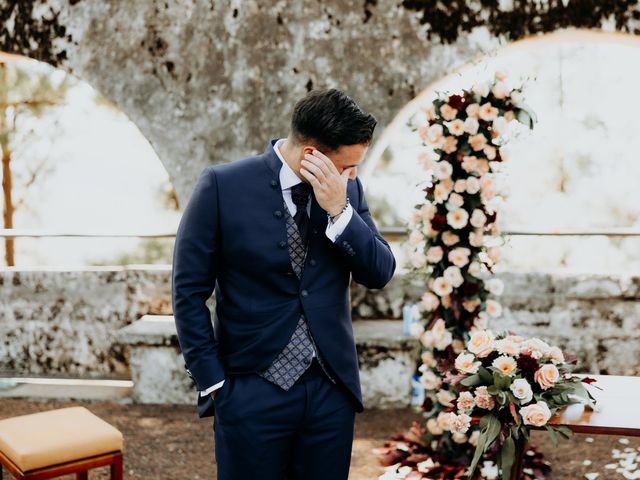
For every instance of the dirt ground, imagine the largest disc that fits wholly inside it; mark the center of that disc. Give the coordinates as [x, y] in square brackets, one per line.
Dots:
[171, 442]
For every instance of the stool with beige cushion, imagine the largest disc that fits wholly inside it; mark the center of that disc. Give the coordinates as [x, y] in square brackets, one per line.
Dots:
[59, 442]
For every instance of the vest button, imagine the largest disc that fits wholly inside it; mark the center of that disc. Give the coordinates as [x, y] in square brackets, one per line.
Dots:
[274, 183]
[307, 361]
[282, 244]
[277, 214]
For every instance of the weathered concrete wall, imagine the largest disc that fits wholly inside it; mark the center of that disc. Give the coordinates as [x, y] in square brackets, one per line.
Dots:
[210, 81]
[65, 322]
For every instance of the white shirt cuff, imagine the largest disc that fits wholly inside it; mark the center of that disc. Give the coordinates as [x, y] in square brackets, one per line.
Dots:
[335, 229]
[211, 389]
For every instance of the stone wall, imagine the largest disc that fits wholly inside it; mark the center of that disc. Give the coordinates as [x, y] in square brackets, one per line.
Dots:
[210, 81]
[64, 323]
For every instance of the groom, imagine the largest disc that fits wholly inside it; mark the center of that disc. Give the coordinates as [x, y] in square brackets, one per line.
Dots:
[279, 235]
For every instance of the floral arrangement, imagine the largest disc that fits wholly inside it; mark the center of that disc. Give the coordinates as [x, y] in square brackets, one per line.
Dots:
[514, 385]
[454, 242]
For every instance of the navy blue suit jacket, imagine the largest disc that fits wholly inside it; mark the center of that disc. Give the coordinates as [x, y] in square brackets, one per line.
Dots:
[232, 239]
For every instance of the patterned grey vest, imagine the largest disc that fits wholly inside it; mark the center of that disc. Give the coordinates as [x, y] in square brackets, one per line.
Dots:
[296, 356]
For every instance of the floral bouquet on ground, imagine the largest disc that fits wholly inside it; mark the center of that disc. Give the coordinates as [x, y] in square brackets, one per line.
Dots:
[513, 385]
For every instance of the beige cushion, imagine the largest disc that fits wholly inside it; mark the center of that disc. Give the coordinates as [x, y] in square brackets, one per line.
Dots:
[57, 436]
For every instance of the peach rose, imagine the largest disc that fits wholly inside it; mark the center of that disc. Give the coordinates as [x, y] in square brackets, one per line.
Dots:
[481, 343]
[537, 414]
[547, 376]
[477, 141]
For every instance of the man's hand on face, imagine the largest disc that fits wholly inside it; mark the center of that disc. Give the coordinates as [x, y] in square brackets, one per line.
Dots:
[329, 186]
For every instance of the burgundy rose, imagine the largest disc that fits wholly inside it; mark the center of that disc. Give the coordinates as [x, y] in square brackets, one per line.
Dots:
[528, 365]
[456, 101]
[438, 222]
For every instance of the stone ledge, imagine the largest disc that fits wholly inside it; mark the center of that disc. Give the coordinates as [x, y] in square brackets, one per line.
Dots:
[386, 358]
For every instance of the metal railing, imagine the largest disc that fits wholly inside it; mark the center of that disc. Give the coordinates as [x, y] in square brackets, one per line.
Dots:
[392, 233]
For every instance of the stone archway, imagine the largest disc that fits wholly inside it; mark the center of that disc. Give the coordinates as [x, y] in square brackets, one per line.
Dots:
[212, 81]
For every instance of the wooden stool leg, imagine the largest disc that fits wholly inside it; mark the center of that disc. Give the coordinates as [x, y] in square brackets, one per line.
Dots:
[116, 468]
[82, 475]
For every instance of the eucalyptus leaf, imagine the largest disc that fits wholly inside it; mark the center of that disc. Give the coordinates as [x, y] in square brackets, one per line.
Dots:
[507, 457]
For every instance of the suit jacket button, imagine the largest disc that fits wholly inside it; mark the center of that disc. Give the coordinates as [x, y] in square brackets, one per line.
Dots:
[315, 230]
[274, 183]
[277, 214]
[345, 243]
[282, 244]
[312, 261]
[304, 293]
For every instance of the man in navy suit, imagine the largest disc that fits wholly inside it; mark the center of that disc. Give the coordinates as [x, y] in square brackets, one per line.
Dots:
[278, 237]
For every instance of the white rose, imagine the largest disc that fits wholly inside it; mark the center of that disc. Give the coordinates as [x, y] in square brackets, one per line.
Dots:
[456, 127]
[415, 238]
[449, 238]
[522, 390]
[493, 308]
[445, 397]
[441, 287]
[433, 427]
[430, 301]
[444, 420]
[495, 286]
[460, 186]
[476, 238]
[537, 414]
[481, 343]
[430, 380]
[477, 141]
[448, 112]
[475, 268]
[459, 437]
[442, 170]
[434, 254]
[535, 347]
[428, 211]
[453, 276]
[455, 201]
[478, 218]
[434, 134]
[458, 218]
[488, 112]
[459, 256]
[473, 110]
[418, 259]
[473, 185]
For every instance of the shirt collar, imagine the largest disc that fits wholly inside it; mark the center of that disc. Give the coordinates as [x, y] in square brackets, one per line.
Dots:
[288, 178]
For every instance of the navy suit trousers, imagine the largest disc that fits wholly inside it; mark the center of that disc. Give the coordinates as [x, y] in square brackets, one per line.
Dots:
[264, 432]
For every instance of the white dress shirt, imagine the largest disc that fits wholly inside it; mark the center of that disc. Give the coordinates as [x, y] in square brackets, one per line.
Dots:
[288, 179]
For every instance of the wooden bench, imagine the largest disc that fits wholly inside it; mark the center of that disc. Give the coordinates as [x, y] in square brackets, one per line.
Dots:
[613, 414]
[59, 442]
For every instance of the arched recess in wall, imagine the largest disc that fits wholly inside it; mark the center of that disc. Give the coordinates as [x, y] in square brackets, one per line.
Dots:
[74, 164]
[575, 171]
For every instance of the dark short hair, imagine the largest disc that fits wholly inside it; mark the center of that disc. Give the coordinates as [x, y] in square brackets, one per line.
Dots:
[329, 118]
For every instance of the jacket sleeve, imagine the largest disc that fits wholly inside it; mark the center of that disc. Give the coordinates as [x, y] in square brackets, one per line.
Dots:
[193, 281]
[368, 255]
